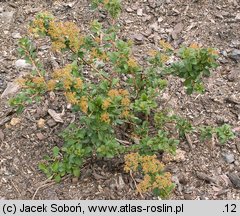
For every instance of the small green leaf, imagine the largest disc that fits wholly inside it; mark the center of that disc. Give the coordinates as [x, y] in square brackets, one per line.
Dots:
[55, 166]
[57, 178]
[55, 151]
[42, 167]
[76, 172]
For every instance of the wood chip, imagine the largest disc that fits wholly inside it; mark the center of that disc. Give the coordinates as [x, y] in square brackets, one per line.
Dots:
[205, 177]
[238, 147]
[189, 141]
[4, 120]
[40, 136]
[222, 192]
[1, 135]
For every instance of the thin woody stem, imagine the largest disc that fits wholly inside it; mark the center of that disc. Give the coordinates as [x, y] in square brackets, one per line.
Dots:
[33, 63]
[91, 66]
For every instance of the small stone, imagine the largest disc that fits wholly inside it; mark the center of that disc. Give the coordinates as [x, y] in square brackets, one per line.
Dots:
[152, 4]
[189, 197]
[112, 184]
[219, 16]
[51, 123]
[22, 63]
[234, 74]
[221, 120]
[146, 18]
[180, 155]
[129, 10]
[52, 96]
[148, 32]
[44, 47]
[235, 55]
[233, 99]
[234, 178]
[121, 183]
[41, 112]
[177, 30]
[160, 19]
[100, 188]
[40, 136]
[229, 158]
[6, 16]
[16, 35]
[235, 43]
[165, 97]
[224, 53]
[135, 7]
[128, 21]
[237, 17]
[139, 38]
[15, 121]
[183, 179]
[140, 12]
[69, 106]
[41, 123]
[154, 26]
[102, 16]
[71, 4]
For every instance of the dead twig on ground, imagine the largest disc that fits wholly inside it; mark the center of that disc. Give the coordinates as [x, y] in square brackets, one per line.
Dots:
[124, 142]
[205, 177]
[135, 183]
[15, 187]
[47, 182]
[189, 141]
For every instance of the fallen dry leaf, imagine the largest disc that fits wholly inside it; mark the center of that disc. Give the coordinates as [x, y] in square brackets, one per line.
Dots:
[40, 136]
[41, 123]
[56, 116]
[15, 121]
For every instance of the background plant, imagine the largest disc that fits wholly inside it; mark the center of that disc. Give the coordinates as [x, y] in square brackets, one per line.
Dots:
[195, 64]
[223, 133]
[113, 7]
